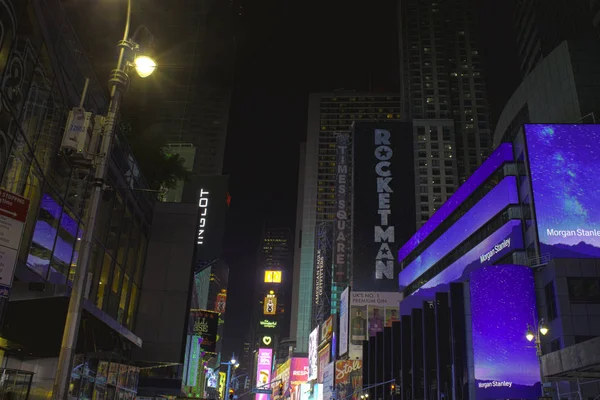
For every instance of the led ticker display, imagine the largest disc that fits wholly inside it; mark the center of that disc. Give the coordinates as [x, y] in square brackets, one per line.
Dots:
[496, 200]
[563, 161]
[503, 154]
[500, 243]
[502, 305]
[272, 276]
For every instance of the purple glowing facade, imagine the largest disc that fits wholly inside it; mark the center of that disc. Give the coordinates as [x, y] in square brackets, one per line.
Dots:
[505, 240]
[563, 160]
[503, 154]
[495, 201]
[502, 304]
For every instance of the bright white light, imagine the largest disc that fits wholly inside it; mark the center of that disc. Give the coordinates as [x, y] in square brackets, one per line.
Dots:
[543, 330]
[144, 66]
[529, 335]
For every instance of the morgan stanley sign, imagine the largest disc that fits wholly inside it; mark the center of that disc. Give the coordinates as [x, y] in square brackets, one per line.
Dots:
[384, 210]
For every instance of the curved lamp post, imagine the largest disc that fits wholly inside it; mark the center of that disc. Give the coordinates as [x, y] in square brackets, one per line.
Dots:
[119, 78]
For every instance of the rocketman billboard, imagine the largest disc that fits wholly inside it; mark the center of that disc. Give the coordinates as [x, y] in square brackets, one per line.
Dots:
[210, 193]
[502, 306]
[563, 163]
[383, 202]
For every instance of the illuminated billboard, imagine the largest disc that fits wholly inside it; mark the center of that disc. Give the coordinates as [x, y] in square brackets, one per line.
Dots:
[205, 324]
[270, 304]
[500, 156]
[263, 371]
[383, 170]
[272, 276]
[344, 321]
[505, 240]
[313, 355]
[502, 305]
[563, 163]
[348, 379]
[503, 194]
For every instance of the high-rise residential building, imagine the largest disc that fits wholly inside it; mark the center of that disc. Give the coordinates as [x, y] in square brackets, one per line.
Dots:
[541, 25]
[444, 94]
[328, 115]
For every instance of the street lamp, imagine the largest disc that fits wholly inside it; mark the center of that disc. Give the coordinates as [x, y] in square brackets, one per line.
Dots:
[233, 362]
[536, 332]
[364, 396]
[118, 81]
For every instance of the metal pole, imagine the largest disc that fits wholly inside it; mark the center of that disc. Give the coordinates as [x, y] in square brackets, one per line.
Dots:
[538, 350]
[227, 381]
[69, 341]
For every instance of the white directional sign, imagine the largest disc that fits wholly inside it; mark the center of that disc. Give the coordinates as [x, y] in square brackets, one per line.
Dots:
[13, 213]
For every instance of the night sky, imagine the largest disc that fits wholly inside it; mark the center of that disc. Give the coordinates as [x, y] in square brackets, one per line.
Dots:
[287, 50]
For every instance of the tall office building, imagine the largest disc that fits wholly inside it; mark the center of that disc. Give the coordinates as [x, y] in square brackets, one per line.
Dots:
[443, 92]
[328, 115]
[541, 25]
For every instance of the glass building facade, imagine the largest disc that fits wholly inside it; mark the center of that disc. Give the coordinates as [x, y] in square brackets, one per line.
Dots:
[42, 74]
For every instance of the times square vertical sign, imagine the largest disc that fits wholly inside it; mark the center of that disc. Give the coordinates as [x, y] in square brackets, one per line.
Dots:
[341, 230]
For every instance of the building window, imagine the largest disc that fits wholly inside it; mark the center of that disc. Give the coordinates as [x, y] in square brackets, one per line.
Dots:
[584, 290]
[551, 311]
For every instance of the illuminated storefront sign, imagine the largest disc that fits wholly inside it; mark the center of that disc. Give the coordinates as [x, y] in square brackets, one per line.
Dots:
[272, 276]
[270, 304]
[268, 324]
[203, 204]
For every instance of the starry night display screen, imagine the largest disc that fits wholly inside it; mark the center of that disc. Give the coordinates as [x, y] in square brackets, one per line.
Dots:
[502, 304]
[563, 160]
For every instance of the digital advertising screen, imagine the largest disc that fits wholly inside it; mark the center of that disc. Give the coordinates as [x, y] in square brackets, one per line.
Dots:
[502, 305]
[344, 322]
[495, 201]
[205, 324]
[383, 169]
[563, 162]
[263, 371]
[507, 239]
[313, 354]
[500, 156]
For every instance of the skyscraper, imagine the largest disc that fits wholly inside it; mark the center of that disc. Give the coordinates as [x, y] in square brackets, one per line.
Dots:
[328, 115]
[444, 93]
[541, 25]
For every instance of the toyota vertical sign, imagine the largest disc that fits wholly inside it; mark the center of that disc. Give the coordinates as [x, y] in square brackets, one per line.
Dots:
[384, 202]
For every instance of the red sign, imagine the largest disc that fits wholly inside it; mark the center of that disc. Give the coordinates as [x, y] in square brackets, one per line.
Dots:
[13, 206]
[221, 302]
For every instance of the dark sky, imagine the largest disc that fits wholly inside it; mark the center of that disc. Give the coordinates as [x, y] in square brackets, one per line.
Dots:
[288, 50]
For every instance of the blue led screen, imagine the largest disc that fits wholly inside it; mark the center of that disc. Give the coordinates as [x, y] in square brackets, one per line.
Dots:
[502, 304]
[503, 154]
[505, 240]
[496, 200]
[564, 160]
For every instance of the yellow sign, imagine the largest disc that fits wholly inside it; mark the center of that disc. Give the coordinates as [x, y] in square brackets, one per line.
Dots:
[270, 305]
[267, 340]
[272, 276]
[222, 379]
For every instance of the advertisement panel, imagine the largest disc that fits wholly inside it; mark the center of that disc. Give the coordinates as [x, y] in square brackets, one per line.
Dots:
[324, 358]
[383, 170]
[272, 277]
[270, 304]
[221, 302]
[370, 312]
[327, 329]
[502, 154]
[562, 159]
[282, 376]
[348, 379]
[507, 239]
[298, 370]
[328, 380]
[341, 228]
[205, 324]
[263, 371]
[343, 338]
[313, 348]
[503, 194]
[502, 305]
[210, 192]
[13, 213]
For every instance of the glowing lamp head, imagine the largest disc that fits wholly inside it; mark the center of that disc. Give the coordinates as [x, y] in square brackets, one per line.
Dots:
[233, 360]
[144, 66]
[529, 335]
[543, 330]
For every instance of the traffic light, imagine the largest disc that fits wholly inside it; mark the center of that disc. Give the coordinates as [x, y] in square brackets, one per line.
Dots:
[280, 389]
[392, 389]
[231, 392]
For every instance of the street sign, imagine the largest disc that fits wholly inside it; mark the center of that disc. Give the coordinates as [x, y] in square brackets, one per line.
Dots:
[13, 213]
[262, 391]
